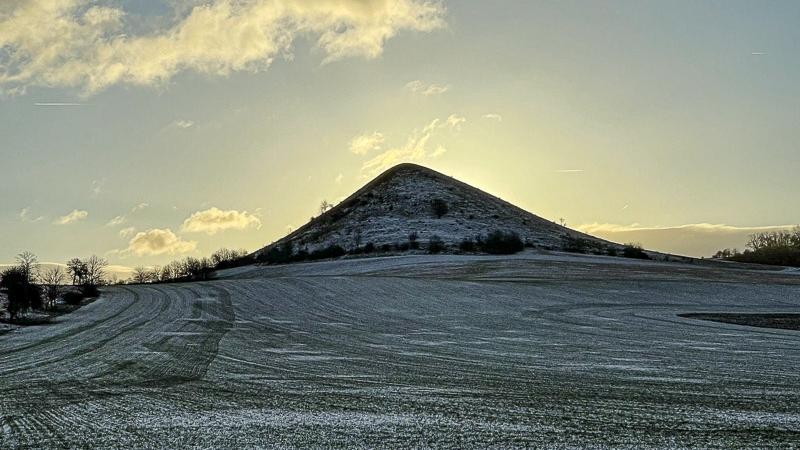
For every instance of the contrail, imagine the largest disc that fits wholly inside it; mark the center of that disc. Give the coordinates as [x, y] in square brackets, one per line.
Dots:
[569, 170]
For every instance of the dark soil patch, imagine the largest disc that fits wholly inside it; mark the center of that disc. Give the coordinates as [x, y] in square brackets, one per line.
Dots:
[785, 321]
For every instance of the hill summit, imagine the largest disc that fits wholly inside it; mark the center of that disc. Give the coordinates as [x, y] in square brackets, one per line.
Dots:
[409, 200]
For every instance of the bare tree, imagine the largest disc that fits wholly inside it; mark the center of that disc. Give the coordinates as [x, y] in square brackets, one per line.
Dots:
[53, 278]
[28, 264]
[141, 274]
[78, 270]
[95, 270]
[324, 206]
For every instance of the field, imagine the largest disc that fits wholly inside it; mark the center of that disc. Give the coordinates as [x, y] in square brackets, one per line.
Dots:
[420, 351]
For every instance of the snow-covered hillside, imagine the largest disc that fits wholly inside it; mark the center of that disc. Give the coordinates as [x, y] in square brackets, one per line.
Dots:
[400, 202]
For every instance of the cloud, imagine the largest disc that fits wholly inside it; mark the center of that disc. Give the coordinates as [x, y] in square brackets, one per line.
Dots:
[94, 45]
[158, 242]
[97, 187]
[569, 171]
[493, 116]
[697, 239]
[419, 87]
[74, 216]
[116, 221]
[25, 216]
[339, 178]
[455, 121]
[119, 220]
[139, 207]
[127, 232]
[415, 148]
[57, 104]
[361, 145]
[214, 220]
[182, 124]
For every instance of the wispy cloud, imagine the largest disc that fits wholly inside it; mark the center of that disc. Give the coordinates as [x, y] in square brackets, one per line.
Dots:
[127, 232]
[75, 216]
[116, 221]
[25, 216]
[415, 149]
[214, 220]
[119, 220]
[181, 124]
[97, 187]
[338, 179]
[455, 121]
[427, 89]
[91, 46]
[569, 171]
[139, 207]
[365, 143]
[493, 116]
[58, 104]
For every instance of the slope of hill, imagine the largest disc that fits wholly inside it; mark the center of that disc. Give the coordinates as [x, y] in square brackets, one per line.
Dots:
[403, 200]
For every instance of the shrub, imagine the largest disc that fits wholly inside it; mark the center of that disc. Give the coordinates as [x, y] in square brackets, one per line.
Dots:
[22, 295]
[435, 245]
[634, 250]
[502, 243]
[73, 298]
[611, 251]
[386, 248]
[439, 207]
[369, 248]
[90, 290]
[413, 241]
[467, 245]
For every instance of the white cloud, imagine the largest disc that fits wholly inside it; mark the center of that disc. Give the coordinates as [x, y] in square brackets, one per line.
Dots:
[415, 148]
[183, 124]
[214, 220]
[116, 221]
[455, 121]
[339, 178]
[97, 187]
[127, 232]
[25, 216]
[361, 145]
[493, 116]
[119, 220]
[93, 45]
[569, 171]
[158, 242]
[426, 89]
[74, 216]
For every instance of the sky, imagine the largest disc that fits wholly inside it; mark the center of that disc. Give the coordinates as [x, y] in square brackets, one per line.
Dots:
[145, 131]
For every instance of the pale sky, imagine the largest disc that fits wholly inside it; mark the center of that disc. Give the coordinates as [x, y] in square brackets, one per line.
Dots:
[146, 131]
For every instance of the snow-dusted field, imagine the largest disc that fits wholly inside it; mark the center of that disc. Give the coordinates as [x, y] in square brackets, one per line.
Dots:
[422, 351]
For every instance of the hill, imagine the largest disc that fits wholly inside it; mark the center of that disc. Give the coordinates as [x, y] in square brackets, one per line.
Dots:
[411, 199]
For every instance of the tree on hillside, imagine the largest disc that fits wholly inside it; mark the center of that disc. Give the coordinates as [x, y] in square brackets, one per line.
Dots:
[28, 263]
[52, 278]
[78, 270]
[22, 294]
[324, 207]
[142, 274]
[95, 270]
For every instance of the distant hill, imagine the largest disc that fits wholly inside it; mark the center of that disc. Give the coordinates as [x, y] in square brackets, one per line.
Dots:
[409, 198]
